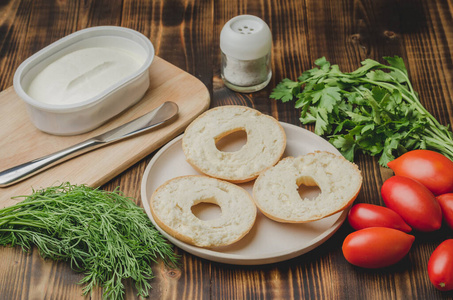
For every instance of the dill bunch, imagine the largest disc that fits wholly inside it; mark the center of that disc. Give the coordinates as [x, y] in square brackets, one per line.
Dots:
[103, 234]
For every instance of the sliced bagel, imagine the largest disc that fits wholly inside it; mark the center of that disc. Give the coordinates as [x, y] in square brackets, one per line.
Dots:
[266, 142]
[171, 207]
[276, 191]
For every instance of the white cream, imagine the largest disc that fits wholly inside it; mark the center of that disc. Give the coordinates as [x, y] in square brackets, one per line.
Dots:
[83, 74]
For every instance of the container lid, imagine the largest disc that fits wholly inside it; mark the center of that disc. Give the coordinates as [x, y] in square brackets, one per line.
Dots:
[246, 37]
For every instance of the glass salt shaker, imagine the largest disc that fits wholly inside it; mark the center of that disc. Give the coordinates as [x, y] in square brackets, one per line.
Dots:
[246, 44]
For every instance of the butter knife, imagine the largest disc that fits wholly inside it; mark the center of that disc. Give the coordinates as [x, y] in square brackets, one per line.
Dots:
[150, 120]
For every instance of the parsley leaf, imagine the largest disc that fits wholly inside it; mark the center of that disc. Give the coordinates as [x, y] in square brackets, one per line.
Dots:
[373, 109]
[285, 90]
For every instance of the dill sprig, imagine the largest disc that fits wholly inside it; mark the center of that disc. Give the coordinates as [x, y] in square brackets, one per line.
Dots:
[103, 234]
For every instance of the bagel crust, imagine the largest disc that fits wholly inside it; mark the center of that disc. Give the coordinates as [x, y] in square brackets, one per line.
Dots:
[276, 191]
[266, 142]
[171, 207]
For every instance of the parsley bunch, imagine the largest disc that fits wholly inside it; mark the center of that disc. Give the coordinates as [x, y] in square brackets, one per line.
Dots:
[373, 109]
[103, 234]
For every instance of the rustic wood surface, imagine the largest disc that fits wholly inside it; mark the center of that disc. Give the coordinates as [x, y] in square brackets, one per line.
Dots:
[186, 34]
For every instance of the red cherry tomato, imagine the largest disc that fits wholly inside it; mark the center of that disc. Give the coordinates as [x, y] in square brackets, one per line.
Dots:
[430, 168]
[413, 202]
[440, 266]
[446, 204]
[363, 215]
[376, 247]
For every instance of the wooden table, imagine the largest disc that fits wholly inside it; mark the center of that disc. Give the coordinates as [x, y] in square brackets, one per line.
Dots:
[186, 34]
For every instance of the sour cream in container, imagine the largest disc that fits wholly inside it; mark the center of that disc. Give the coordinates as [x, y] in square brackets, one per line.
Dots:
[83, 74]
[81, 81]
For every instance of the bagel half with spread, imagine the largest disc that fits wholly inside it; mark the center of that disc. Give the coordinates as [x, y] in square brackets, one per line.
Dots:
[266, 142]
[276, 191]
[171, 207]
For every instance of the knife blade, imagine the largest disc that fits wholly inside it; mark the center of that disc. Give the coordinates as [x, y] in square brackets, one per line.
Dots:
[154, 118]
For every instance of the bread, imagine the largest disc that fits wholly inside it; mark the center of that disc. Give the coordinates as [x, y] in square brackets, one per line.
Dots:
[276, 190]
[266, 142]
[171, 207]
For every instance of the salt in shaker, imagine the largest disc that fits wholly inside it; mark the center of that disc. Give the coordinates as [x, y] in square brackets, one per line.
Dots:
[246, 44]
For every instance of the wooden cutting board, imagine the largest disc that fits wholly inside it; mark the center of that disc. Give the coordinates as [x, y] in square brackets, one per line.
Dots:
[20, 141]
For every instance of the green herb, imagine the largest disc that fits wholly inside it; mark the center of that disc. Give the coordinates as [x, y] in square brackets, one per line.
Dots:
[373, 109]
[103, 234]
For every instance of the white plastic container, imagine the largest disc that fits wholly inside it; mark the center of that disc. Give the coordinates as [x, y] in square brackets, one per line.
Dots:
[246, 44]
[80, 117]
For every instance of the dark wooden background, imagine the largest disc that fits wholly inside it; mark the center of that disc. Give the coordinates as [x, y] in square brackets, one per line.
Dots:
[186, 33]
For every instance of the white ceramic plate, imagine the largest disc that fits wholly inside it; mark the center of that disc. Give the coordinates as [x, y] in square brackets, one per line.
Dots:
[268, 241]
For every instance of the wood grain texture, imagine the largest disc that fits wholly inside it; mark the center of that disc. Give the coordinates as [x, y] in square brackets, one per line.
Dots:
[186, 34]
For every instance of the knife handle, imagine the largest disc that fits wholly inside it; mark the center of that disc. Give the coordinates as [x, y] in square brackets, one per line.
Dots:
[28, 169]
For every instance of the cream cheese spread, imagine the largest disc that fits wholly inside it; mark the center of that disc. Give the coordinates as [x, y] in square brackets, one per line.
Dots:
[83, 74]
